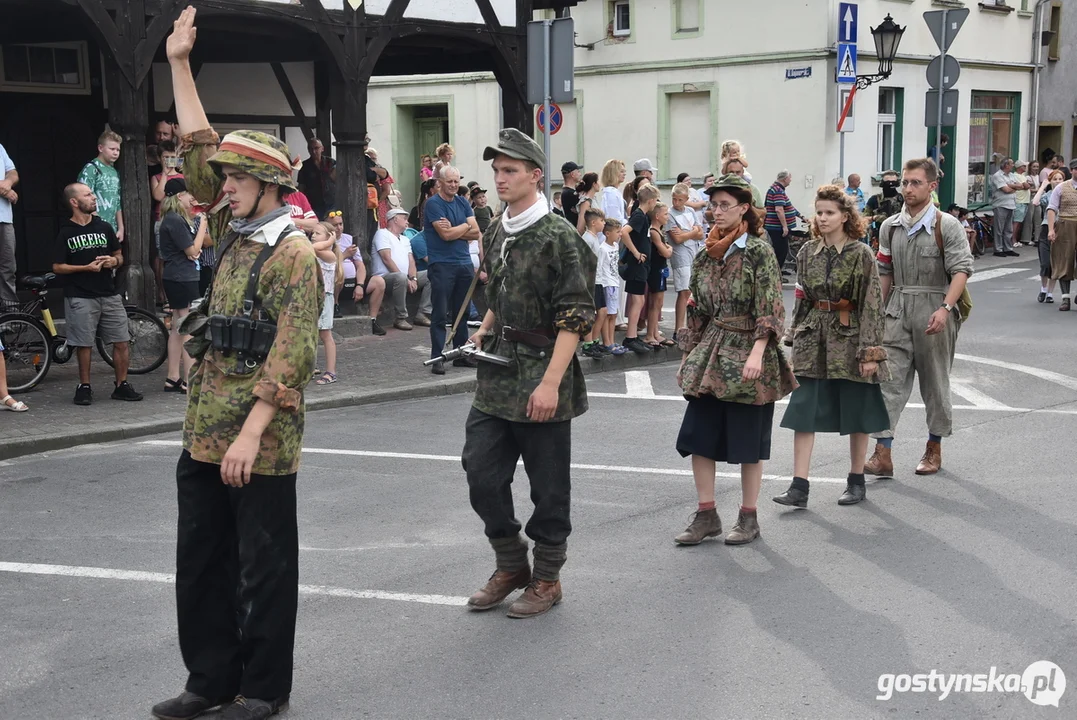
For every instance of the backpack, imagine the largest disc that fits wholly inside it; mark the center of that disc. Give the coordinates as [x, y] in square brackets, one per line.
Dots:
[964, 303]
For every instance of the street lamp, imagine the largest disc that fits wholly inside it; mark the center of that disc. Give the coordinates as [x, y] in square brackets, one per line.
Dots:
[887, 37]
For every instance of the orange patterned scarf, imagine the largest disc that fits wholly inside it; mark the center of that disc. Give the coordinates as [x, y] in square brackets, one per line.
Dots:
[718, 245]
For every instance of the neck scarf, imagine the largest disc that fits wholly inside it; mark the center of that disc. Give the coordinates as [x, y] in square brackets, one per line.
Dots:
[249, 227]
[515, 225]
[718, 244]
[908, 221]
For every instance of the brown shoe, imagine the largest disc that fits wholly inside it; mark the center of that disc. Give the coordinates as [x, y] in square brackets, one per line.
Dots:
[422, 320]
[746, 530]
[931, 462]
[540, 596]
[498, 587]
[705, 524]
[1065, 306]
[402, 324]
[880, 463]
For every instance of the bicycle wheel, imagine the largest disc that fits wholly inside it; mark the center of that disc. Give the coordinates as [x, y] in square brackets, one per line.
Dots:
[149, 342]
[980, 245]
[27, 351]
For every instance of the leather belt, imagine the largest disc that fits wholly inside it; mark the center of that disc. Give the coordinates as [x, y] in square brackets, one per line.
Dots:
[736, 323]
[841, 307]
[535, 338]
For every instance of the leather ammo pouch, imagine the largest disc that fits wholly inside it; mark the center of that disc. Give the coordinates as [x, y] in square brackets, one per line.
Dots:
[249, 336]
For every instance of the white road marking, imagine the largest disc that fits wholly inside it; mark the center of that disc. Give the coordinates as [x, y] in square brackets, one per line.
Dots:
[977, 398]
[628, 469]
[142, 576]
[424, 349]
[1035, 277]
[1057, 378]
[637, 397]
[638, 384]
[994, 273]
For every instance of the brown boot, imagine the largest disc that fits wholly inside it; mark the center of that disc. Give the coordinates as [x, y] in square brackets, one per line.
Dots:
[746, 529]
[880, 462]
[540, 596]
[931, 462]
[705, 524]
[500, 586]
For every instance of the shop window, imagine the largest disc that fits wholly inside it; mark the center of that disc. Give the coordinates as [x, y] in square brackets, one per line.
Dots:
[993, 135]
[891, 107]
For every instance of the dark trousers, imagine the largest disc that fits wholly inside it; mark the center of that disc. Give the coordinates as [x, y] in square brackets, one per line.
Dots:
[780, 245]
[237, 582]
[448, 290]
[492, 448]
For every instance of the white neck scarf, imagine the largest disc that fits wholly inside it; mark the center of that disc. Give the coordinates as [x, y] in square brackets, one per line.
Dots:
[530, 216]
[909, 222]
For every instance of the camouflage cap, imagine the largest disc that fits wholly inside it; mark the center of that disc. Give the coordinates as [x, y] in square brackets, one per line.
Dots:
[514, 144]
[732, 181]
[256, 153]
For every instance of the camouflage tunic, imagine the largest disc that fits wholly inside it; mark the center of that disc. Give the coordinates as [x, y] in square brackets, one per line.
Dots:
[538, 282]
[223, 390]
[733, 304]
[823, 348]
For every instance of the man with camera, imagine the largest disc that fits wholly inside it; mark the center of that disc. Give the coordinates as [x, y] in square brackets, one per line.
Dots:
[237, 557]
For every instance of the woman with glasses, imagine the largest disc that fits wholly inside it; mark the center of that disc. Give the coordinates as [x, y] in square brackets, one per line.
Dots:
[732, 371]
[836, 334]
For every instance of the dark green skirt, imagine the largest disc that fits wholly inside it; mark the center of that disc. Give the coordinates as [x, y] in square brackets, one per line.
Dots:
[836, 406]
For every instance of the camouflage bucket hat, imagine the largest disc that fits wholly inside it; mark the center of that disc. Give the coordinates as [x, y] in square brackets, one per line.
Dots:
[256, 153]
[732, 181]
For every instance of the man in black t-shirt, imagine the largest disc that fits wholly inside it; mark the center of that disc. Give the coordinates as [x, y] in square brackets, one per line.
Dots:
[571, 173]
[85, 255]
[636, 255]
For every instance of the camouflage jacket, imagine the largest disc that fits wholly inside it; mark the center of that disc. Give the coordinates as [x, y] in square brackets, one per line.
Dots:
[539, 281]
[223, 390]
[823, 348]
[880, 207]
[733, 304]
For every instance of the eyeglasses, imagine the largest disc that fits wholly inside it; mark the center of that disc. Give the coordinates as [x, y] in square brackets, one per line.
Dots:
[726, 207]
[335, 213]
[912, 183]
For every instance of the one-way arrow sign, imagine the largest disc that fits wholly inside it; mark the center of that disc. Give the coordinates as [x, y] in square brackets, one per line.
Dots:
[847, 17]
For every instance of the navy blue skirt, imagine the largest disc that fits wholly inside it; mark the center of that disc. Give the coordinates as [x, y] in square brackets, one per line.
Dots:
[728, 432]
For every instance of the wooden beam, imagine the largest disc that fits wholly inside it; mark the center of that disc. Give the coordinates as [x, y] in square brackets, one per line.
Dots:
[392, 17]
[106, 29]
[155, 35]
[293, 101]
[332, 41]
[510, 58]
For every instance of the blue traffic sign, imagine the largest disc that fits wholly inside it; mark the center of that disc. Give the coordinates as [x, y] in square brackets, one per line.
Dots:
[557, 118]
[847, 17]
[846, 63]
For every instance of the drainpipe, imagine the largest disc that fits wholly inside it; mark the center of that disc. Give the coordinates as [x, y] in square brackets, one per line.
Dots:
[1037, 55]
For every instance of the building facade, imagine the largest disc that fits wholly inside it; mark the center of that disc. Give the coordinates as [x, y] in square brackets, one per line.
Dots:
[670, 79]
[1057, 121]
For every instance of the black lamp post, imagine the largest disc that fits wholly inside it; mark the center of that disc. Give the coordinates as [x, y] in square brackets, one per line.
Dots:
[887, 37]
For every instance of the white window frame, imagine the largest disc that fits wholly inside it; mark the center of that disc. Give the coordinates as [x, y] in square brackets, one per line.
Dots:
[887, 120]
[82, 88]
[616, 30]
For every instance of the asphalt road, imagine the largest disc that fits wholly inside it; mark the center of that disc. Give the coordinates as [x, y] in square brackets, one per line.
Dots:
[959, 573]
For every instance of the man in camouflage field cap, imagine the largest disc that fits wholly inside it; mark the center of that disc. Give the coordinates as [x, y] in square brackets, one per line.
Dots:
[237, 556]
[541, 278]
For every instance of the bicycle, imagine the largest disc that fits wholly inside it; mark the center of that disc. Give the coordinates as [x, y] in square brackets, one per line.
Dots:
[32, 345]
[984, 234]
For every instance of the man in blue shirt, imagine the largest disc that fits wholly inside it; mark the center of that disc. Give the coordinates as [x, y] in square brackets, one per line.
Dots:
[448, 225]
[9, 177]
[854, 190]
[422, 264]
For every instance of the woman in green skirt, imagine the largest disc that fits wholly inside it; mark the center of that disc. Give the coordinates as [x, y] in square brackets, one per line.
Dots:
[836, 334]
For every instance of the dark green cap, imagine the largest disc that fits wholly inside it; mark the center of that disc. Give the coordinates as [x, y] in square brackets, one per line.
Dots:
[732, 181]
[514, 144]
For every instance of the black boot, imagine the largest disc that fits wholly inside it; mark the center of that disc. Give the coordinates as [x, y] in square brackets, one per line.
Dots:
[796, 496]
[854, 491]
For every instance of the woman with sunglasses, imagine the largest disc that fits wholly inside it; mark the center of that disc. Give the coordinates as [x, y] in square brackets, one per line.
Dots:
[733, 371]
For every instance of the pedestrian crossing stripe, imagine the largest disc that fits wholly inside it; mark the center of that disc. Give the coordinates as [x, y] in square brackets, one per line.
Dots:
[848, 67]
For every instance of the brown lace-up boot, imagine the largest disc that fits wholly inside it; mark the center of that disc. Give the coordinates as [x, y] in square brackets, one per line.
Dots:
[746, 529]
[931, 462]
[705, 524]
[539, 597]
[880, 463]
[500, 585]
